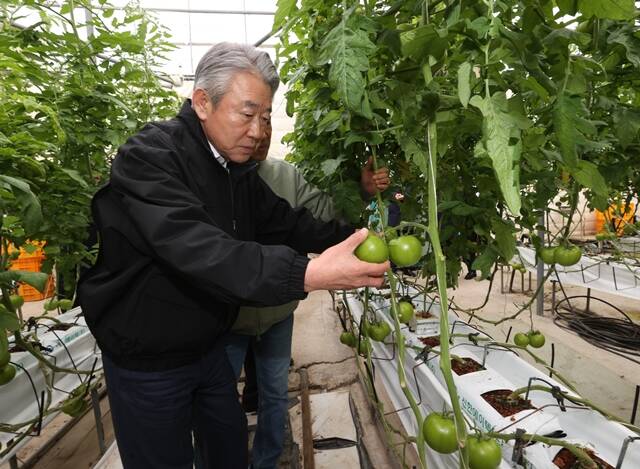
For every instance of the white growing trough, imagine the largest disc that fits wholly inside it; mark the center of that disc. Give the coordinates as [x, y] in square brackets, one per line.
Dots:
[504, 369]
[21, 399]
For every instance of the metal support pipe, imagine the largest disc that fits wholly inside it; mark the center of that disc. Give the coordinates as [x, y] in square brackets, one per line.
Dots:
[540, 272]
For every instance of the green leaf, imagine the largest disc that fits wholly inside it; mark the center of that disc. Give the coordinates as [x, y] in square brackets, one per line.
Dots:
[625, 36]
[484, 262]
[330, 166]
[330, 122]
[75, 175]
[347, 49]
[627, 125]
[464, 83]
[505, 239]
[567, 7]
[570, 125]
[609, 9]
[37, 280]
[284, 9]
[29, 203]
[587, 174]
[8, 322]
[422, 42]
[502, 144]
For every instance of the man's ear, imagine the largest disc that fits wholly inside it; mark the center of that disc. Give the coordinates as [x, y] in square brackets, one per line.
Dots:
[200, 103]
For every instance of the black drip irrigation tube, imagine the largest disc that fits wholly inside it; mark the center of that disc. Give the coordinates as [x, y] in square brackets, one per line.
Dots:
[620, 336]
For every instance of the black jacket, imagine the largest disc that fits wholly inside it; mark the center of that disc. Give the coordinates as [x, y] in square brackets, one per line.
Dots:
[183, 243]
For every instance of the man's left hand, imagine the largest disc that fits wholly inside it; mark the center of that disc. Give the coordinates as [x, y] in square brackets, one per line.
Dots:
[372, 181]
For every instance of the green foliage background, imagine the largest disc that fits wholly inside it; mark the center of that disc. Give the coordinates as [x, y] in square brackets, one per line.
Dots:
[531, 99]
[67, 101]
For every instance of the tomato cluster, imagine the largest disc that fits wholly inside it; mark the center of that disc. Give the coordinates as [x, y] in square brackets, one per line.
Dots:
[534, 338]
[404, 251]
[439, 432]
[565, 255]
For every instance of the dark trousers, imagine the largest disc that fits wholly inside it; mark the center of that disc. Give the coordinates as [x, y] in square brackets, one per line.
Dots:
[156, 413]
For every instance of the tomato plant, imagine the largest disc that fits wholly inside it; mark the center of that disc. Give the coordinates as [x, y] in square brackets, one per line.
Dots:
[405, 312]
[484, 453]
[521, 339]
[405, 251]
[440, 433]
[373, 249]
[483, 134]
[568, 255]
[536, 339]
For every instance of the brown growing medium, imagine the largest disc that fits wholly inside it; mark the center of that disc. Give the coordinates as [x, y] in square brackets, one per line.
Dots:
[16, 349]
[565, 459]
[505, 406]
[431, 341]
[424, 315]
[462, 366]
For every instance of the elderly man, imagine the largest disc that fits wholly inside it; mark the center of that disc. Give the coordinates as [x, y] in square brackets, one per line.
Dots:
[188, 232]
[266, 332]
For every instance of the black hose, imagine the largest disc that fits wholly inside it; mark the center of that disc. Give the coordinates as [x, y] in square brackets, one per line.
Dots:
[620, 336]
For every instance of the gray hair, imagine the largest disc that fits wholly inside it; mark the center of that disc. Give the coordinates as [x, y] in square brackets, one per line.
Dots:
[220, 63]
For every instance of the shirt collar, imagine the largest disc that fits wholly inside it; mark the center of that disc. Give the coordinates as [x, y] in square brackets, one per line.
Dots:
[218, 156]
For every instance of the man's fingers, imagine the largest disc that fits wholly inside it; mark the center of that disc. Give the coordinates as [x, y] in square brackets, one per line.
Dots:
[376, 270]
[355, 239]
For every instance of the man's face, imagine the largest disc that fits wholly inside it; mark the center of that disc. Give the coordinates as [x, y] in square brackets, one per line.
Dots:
[263, 146]
[237, 124]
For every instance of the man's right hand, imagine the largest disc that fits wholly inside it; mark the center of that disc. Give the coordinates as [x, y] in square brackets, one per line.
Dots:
[338, 268]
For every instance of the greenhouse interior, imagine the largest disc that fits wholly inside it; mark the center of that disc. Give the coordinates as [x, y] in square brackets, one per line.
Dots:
[320, 234]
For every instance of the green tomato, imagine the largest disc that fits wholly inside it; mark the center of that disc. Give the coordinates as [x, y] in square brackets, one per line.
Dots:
[547, 254]
[405, 251]
[484, 453]
[440, 433]
[7, 373]
[347, 338]
[405, 312]
[379, 331]
[50, 305]
[536, 339]
[17, 301]
[568, 255]
[5, 356]
[372, 249]
[521, 339]
[65, 304]
[74, 406]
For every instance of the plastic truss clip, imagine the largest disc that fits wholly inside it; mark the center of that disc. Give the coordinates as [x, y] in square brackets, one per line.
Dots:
[518, 447]
[473, 337]
[424, 354]
[556, 392]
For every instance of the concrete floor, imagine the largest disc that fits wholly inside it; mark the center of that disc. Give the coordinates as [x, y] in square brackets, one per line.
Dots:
[605, 378]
